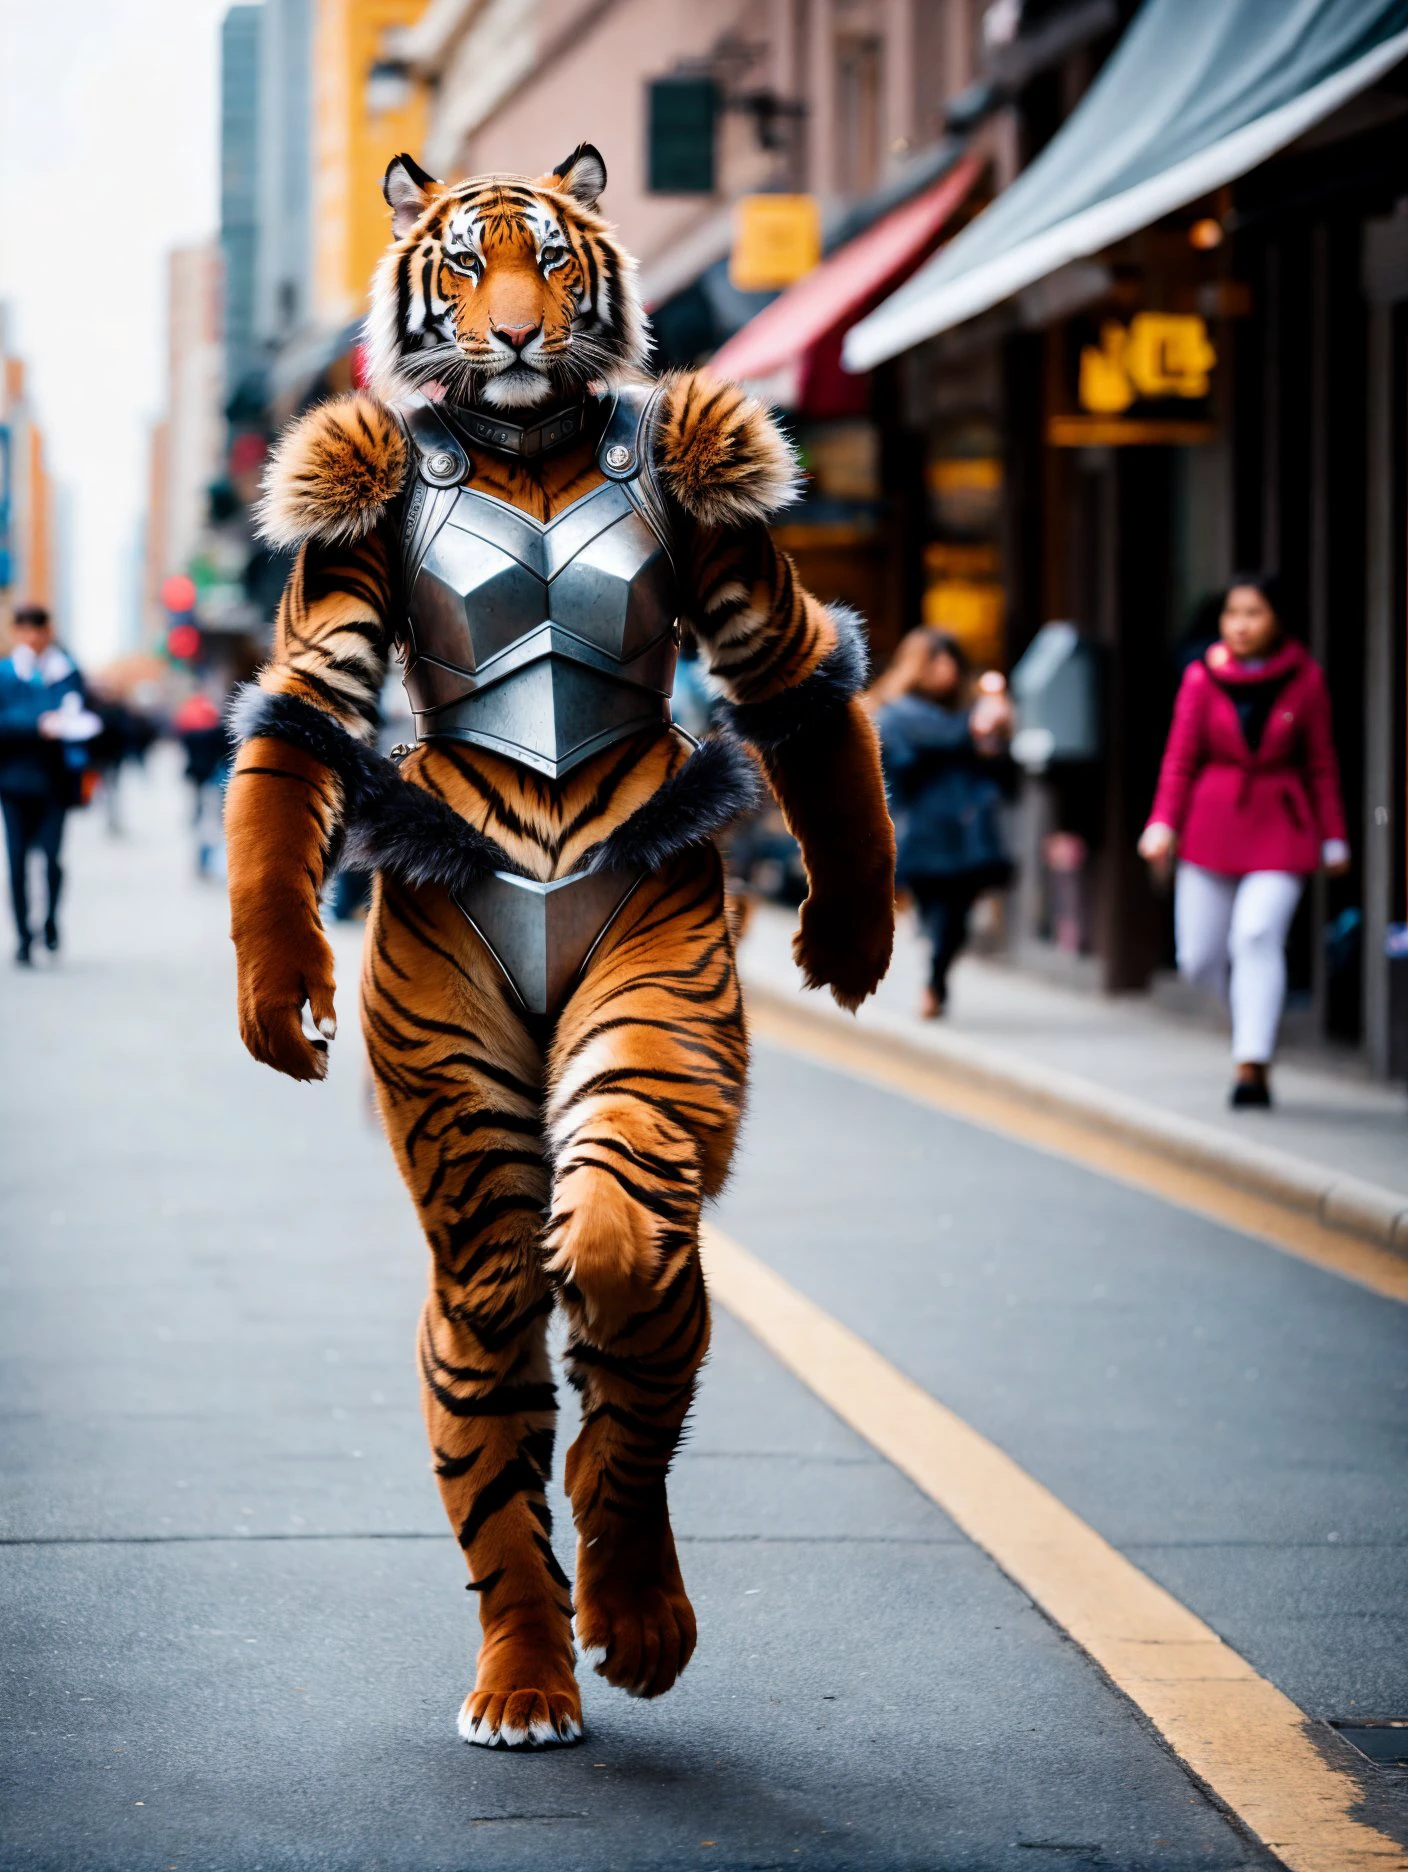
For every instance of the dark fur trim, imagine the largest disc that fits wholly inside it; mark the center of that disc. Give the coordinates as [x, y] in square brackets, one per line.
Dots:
[392, 825]
[253, 711]
[715, 785]
[814, 700]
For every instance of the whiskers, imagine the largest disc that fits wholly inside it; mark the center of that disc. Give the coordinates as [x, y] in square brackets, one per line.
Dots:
[588, 354]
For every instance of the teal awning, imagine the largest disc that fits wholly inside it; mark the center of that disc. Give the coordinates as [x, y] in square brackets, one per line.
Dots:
[1197, 93]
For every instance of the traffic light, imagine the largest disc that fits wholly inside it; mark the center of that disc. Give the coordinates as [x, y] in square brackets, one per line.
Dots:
[178, 599]
[178, 594]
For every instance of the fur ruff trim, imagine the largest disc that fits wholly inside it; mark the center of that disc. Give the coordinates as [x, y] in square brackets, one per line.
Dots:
[716, 785]
[333, 474]
[720, 453]
[818, 698]
[392, 825]
[387, 823]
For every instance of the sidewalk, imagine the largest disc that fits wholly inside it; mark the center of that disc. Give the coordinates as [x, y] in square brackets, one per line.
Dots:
[1334, 1143]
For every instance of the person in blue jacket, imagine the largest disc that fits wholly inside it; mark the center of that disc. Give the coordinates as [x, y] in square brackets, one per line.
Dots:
[943, 753]
[44, 723]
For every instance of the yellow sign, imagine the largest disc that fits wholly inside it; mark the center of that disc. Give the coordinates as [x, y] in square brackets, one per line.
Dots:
[776, 239]
[1160, 354]
[965, 474]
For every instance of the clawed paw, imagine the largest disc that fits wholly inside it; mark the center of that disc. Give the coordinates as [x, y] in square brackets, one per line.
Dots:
[640, 1641]
[844, 947]
[521, 1718]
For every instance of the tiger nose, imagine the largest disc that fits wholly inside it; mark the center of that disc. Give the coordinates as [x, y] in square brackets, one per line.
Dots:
[516, 335]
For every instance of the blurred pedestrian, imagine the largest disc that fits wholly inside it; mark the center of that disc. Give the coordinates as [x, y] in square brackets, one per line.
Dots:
[45, 723]
[943, 746]
[125, 736]
[199, 725]
[1249, 800]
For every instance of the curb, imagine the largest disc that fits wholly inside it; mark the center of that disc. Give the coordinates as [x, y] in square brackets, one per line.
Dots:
[1345, 1203]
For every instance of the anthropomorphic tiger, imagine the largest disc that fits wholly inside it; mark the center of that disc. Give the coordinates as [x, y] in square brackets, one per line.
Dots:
[549, 998]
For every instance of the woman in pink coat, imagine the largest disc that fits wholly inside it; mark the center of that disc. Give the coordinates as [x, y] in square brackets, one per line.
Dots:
[1249, 798]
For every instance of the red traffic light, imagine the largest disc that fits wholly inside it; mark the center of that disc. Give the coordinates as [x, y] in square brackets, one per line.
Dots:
[182, 641]
[178, 593]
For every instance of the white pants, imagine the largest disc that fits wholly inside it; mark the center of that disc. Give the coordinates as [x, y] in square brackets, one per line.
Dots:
[1236, 927]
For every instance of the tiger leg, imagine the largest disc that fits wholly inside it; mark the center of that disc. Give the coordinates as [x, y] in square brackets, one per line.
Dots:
[645, 1091]
[458, 1082]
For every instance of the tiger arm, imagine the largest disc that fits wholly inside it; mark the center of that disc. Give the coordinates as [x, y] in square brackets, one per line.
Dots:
[283, 802]
[790, 669]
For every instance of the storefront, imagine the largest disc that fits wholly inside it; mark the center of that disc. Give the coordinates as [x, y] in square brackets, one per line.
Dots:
[1175, 348]
[852, 534]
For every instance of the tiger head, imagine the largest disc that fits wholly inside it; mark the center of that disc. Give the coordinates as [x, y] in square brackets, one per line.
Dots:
[502, 291]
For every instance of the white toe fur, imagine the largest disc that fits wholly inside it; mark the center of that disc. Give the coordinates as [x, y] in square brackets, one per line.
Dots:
[595, 1655]
[480, 1732]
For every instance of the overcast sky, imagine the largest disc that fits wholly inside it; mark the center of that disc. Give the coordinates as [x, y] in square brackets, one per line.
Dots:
[109, 126]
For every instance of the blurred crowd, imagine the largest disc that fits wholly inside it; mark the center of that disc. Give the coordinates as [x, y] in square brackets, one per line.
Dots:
[1247, 807]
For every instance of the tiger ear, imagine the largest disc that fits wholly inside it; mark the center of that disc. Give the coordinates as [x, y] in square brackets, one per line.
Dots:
[582, 176]
[407, 189]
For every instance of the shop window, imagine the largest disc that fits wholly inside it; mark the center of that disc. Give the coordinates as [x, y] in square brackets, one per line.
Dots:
[843, 460]
[961, 568]
[840, 534]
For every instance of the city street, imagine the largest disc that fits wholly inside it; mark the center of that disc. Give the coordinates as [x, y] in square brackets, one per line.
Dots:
[236, 1630]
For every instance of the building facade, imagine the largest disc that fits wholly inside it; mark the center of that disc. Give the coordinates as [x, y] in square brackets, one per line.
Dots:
[240, 130]
[187, 446]
[828, 96]
[29, 569]
[364, 109]
[1121, 393]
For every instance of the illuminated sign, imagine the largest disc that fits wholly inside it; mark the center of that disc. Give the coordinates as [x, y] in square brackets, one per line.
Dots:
[1158, 355]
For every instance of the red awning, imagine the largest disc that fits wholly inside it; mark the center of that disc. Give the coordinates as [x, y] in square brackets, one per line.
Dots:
[838, 290]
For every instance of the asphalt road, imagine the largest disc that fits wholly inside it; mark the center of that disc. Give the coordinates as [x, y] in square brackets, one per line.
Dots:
[235, 1634]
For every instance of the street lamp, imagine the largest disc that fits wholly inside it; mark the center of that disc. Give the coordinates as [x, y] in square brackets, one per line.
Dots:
[388, 88]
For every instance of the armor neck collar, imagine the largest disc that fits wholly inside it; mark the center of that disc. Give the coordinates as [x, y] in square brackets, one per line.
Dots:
[538, 437]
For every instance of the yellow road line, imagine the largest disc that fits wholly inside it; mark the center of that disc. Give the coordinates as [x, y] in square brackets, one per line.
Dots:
[852, 1051]
[1242, 1738]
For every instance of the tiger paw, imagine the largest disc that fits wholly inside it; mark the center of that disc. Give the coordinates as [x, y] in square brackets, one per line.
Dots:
[522, 1718]
[636, 1631]
[844, 944]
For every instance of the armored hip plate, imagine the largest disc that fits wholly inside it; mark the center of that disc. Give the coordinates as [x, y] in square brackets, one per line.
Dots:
[541, 642]
[542, 934]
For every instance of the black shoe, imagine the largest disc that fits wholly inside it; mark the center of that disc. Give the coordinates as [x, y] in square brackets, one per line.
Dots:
[22, 955]
[1249, 1094]
[51, 934]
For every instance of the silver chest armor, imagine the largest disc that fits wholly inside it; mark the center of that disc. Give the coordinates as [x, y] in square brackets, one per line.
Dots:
[543, 643]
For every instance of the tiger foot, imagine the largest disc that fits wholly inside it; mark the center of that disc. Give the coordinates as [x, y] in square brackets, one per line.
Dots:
[636, 1632]
[524, 1719]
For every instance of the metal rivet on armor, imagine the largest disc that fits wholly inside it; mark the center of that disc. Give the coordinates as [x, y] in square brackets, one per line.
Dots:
[442, 464]
[618, 456]
[401, 750]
